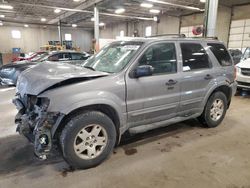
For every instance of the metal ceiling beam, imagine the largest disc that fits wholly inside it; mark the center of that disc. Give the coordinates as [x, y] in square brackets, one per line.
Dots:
[83, 6]
[44, 24]
[85, 11]
[175, 5]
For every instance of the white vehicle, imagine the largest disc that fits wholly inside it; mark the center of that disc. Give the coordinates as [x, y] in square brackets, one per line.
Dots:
[243, 71]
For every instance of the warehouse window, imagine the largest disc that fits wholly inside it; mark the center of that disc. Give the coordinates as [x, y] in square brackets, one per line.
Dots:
[16, 34]
[68, 37]
[148, 31]
[194, 57]
[221, 54]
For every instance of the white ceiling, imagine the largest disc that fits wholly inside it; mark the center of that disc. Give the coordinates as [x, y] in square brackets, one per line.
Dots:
[31, 11]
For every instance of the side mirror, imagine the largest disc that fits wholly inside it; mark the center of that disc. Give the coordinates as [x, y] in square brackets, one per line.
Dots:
[144, 70]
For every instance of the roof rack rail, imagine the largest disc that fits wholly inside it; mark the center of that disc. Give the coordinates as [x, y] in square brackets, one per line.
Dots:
[213, 38]
[168, 35]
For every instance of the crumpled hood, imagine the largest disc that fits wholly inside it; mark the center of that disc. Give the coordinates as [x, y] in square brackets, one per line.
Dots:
[244, 64]
[47, 74]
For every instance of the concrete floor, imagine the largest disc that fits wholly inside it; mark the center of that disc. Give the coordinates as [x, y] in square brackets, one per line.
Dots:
[181, 155]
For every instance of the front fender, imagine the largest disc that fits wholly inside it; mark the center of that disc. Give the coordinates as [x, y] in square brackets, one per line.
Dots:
[78, 100]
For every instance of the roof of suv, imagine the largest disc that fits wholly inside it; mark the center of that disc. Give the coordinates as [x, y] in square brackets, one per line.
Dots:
[172, 38]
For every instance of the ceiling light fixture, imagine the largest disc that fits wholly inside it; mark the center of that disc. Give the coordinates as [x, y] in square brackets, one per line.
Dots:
[2, 16]
[147, 5]
[57, 11]
[203, 1]
[26, 25]
[175, 5]
[101, 24]
[156, 19]
[74, 25]
[119, 10]
[154, 11]
[76, 0]
[1, 23]
[6, 6]
[92, 19]
[43, 19]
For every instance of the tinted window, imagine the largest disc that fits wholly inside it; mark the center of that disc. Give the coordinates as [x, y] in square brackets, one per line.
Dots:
[59, 57]
[78, 56]
[162, 57]
[221, 54]
[194, 57]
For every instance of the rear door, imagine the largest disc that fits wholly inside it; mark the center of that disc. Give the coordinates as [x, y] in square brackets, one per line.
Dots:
[196, 77]
[154, 98]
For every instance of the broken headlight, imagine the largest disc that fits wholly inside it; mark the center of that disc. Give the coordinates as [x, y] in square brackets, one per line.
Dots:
[43, 102]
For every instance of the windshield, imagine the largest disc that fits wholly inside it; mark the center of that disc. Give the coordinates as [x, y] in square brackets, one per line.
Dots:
[114, 57]
[246, 54]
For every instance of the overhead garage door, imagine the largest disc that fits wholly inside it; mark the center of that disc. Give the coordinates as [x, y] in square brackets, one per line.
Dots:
[239, 37]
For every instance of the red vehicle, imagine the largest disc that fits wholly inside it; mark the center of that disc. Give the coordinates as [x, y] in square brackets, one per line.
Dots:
[27, 58]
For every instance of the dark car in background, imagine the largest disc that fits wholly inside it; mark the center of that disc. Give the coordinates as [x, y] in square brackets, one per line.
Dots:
[236, 54]
[9, 73]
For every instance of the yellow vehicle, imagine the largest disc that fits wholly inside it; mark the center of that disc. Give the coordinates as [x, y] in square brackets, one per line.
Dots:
[52, 48]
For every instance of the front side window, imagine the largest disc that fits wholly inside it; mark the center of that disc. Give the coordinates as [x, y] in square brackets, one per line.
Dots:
[162, 57]
[194, 57]
[221, 54]
[114, 57]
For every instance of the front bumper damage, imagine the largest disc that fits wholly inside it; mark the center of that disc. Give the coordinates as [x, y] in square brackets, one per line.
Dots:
[36, 124]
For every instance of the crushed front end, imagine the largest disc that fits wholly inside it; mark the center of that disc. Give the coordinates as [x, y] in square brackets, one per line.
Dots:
[34, 122]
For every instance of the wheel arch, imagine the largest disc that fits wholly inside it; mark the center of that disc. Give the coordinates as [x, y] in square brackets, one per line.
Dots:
[226, 89]
[104, 108]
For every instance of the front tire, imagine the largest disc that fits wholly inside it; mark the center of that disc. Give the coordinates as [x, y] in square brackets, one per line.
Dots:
[215, 110]
[88, 139]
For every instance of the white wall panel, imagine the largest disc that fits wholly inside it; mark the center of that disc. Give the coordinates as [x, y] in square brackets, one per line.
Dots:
[33, 38]
[237, 23]
[236, 37]
[237, 30]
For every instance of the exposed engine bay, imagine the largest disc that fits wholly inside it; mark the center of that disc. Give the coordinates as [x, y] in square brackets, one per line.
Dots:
[34, 122]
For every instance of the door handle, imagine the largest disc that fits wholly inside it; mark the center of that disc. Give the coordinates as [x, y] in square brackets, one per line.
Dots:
[208, 77]
[171, 82]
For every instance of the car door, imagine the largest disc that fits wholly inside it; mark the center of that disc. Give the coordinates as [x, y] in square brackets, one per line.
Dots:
[196, 77]
[154, 98]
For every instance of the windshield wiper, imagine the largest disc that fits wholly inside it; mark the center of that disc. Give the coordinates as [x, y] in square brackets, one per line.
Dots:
[91, 68]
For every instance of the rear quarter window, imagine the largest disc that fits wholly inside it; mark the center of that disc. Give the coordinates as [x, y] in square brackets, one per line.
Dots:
[221, 54]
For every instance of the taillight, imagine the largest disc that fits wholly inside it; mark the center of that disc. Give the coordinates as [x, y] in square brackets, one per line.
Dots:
[235, 72]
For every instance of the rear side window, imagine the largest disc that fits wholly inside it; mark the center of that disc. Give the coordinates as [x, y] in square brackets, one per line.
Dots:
[194, 57]
[221, 54]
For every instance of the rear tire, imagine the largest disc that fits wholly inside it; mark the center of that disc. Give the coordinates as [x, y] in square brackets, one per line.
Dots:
[88, 139]
[215, 110]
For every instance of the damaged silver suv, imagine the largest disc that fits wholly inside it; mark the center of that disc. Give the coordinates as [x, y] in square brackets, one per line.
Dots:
[132, 86]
